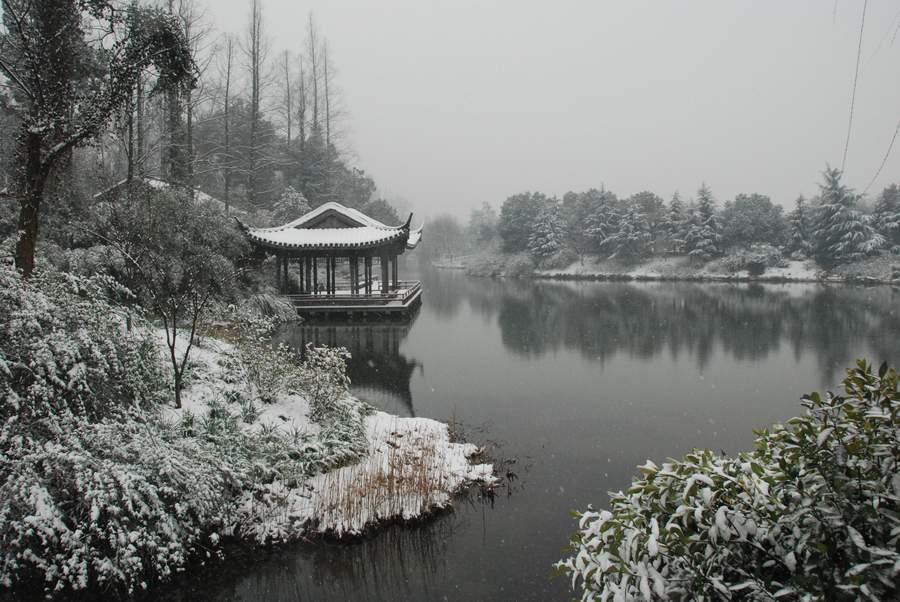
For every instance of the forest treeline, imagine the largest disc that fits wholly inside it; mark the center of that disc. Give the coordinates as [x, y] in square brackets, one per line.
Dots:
[165, 98]
[835, 226]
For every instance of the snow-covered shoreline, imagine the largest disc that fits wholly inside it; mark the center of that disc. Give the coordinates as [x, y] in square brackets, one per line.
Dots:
[882, 270]
[410, 469]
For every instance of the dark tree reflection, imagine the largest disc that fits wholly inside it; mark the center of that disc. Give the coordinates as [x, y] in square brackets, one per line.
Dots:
[747, 322]
[378, 372]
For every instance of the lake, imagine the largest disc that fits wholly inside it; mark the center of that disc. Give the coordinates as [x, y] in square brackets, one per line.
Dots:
[579, 383]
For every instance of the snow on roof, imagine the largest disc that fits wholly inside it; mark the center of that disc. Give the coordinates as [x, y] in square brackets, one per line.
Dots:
[314, 238]
[361, 231]
[353, 214]
[415, 236]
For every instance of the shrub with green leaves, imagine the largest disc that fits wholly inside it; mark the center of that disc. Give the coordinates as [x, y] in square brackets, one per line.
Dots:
[810, 514]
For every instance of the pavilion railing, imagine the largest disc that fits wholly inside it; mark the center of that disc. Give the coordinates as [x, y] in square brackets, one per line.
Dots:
[404, 291]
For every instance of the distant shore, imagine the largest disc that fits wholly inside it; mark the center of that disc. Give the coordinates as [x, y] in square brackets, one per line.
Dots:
[874, 271]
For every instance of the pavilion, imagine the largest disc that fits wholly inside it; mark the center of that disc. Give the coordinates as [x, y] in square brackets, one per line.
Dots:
[326, 259]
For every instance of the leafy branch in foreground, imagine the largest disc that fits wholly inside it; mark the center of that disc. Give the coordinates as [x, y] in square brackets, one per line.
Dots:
[810, 514]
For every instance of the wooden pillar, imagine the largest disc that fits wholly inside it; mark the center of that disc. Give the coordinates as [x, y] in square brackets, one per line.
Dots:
[315, 275]
[385, 278]
[334, 275]
[287, 283]
[278, 273]
[395, 280]
[368, 275]
[300, 280]
[354, 274]
[328, 275]
[307, 267]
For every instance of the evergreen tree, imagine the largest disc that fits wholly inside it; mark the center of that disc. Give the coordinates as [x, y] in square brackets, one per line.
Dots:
[518, 216]
[800, 226]
[602, 222]
[841, 233]
[887, 216]
[703, 237]
[674, 224]
[546, 238]
[289, 206]
[632, 238]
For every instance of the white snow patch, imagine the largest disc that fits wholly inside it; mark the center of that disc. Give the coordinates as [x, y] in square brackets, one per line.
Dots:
[411, 469]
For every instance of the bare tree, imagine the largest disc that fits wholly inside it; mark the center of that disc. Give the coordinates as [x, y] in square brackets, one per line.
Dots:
[288, 100]
[226, 117]
[312, 56]
[256, 51]
[301, 103]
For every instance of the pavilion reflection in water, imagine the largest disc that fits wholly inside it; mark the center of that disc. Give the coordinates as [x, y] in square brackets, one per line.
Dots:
[379, 373]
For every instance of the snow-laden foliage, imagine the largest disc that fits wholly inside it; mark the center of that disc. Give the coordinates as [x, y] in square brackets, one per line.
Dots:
[703, 232]
[631, 238]
[289, 206]
[97, 489]
[810, 514]
[547, 233]
[64, 350]
[674, 224]
[602, 222]
[90, 493]
[108, 505]
[887, 216]
[841, 233]
[755, 259]
[800, 229]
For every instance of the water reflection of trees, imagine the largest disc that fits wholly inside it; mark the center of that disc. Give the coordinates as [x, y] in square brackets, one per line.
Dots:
[378, 372]
[744, 321]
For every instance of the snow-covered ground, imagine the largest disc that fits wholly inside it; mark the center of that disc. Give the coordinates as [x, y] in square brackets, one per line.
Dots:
[411, 467]
[679, 268]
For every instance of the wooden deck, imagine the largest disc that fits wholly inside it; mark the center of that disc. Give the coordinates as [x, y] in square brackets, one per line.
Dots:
[399, 303]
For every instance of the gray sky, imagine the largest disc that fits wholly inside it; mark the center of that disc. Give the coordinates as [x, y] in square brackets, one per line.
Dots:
[457, 102]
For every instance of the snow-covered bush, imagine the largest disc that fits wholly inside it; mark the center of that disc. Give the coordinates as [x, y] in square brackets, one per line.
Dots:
[324, 381]
[92, 492]
[561, 260]
[97, 490]
[111, 505]
[755, 259]
[268, 305]
[64, 350]
[519, 266]
[810, 514]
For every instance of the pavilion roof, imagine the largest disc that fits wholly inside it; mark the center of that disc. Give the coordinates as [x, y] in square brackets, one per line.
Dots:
[314, 231]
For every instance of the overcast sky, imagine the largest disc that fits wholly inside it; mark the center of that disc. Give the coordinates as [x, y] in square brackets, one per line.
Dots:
[453, 103]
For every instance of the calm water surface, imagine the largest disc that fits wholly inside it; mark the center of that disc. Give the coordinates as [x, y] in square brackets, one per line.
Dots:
[580, 382]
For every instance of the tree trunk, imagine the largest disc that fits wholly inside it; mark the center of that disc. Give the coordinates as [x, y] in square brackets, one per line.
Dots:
[32, 189]
[177, 389]
[139, 158]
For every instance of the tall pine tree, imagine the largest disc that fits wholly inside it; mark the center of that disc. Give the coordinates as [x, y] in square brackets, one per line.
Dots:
[800, 226]
[632, 238]
[887, 216]
[841, 233]
[703, 239]
[546, 237]
[674, 224]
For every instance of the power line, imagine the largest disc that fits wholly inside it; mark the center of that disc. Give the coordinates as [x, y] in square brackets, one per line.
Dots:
[855, 78]
[885, 159]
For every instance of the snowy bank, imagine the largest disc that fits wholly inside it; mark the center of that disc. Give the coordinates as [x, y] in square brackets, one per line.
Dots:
[411, 469]
[884, 269]
[680, 268]
[408, 469]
